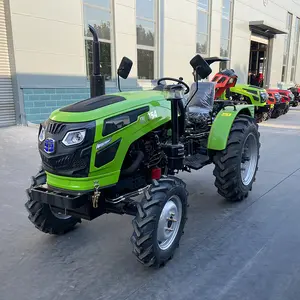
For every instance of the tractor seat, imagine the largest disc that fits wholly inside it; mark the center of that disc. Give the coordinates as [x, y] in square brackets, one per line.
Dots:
[200, 107]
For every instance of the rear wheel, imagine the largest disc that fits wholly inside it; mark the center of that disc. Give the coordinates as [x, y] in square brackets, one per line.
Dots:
[236, 166]
[158, 226]
[286, 109]
[43, 216]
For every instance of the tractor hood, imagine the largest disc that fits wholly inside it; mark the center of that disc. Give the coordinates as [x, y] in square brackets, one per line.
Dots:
[105, 106]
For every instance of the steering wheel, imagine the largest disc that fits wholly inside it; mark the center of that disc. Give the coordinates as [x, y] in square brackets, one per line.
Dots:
[179, 81]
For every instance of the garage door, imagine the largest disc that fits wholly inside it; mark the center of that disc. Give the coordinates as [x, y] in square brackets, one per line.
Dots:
[7, 106]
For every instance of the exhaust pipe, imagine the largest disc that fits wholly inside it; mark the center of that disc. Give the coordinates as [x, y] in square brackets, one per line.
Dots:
[97, 82]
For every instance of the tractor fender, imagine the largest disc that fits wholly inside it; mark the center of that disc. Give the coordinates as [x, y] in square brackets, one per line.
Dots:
[222, 124]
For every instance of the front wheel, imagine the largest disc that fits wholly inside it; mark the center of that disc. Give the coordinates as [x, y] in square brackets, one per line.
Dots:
[276, 113]
[159, 223]
[236, 166]
[43, 216]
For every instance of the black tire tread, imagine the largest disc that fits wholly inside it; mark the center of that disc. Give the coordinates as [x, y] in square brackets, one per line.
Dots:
[225, 161]
[144, 222]
[40, 214]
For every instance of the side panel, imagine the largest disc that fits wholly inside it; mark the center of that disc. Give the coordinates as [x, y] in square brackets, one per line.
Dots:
[249, 92]
[221, 126]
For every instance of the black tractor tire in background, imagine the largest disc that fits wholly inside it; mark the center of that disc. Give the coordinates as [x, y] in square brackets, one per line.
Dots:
[150, 215]
[259, 117]
[228, 170]
[276, 113]
[41, 214]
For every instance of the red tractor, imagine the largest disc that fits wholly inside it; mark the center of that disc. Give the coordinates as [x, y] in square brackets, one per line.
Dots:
[283, 99]
[277, 107]
[286, 97]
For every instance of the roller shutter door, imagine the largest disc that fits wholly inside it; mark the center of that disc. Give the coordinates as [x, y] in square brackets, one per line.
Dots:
[7, 105]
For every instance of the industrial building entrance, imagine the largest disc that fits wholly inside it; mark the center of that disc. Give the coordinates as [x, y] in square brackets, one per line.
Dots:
[262, 35]
[258, 61]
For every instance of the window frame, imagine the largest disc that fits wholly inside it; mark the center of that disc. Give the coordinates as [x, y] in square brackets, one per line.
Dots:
[154, 48]
[287, 45]
[295, 50]
[208, 12]
[229, 39]
[112, 81]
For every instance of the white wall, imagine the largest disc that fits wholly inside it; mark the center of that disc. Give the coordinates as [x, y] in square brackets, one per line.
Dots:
[275, 14]
[48, 40]
[180, 38]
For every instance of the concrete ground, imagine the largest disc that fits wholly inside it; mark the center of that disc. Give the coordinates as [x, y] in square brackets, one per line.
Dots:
[248, 250]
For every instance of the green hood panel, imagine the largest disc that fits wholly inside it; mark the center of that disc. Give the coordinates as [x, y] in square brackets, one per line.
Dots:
[132, 100]
[253, 93]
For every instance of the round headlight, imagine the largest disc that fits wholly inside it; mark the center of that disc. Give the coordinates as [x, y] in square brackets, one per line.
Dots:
[74, 137]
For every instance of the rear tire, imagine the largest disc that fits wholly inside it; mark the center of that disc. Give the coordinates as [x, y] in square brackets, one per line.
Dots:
[286, 109]
[41, 214]
[159, 223]
[232, 183]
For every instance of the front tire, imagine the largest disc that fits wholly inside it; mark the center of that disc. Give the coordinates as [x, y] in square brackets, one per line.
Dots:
[236, 166]
[275, 114]
[43, 216]
[159, 223]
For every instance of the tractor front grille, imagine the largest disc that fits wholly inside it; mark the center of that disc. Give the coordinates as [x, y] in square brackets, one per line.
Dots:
[67, 165]
[69, 161]
[60, 162]
[55, 128]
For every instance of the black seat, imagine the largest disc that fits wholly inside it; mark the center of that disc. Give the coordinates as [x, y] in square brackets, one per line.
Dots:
[200, 107]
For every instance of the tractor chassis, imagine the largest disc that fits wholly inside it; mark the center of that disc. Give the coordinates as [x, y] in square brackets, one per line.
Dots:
[87, 205]
[262, 112]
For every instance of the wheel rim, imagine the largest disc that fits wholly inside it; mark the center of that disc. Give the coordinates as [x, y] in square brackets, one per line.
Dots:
[249, 159]
[59, 215]
[265, 116]
[169, 223]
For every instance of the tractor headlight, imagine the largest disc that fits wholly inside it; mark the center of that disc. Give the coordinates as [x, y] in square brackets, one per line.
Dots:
[42, 134]
[264, 96]
[277, 97]
[74, 137]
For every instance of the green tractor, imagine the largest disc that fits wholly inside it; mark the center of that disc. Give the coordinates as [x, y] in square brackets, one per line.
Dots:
[249, 94]
[227, 89]
[119, 153]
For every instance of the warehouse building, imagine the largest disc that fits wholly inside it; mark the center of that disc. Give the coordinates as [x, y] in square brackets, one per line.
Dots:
[45, 57]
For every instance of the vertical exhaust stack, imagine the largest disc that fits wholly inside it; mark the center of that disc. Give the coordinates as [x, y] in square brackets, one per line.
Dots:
[97, 82]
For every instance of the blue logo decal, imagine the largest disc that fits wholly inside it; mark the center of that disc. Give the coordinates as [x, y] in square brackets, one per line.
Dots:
[49, 146]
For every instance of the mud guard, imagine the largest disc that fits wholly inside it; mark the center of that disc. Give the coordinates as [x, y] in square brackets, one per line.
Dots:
[221, 126]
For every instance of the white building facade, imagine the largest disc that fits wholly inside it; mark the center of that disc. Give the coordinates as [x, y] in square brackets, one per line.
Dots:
[45, 58]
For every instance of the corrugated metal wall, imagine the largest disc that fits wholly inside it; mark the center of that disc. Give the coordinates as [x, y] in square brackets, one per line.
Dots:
[7, 105]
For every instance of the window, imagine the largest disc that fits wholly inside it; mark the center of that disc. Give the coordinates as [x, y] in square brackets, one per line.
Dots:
[146, 38]
[226, 27]
[286, 51]
[295, 51]
[98, 14]
[203, 26]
